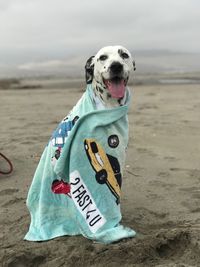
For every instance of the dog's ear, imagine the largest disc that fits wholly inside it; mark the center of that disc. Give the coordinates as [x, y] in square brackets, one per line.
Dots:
[89, 70]
[134, 66]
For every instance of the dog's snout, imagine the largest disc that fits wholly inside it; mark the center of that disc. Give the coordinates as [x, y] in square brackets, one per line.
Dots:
[116, 67]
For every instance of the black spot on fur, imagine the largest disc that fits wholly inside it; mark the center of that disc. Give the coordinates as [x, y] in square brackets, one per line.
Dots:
[120, 51]
[89, 70]
[108, 95]
[119, 101]
[101, 90]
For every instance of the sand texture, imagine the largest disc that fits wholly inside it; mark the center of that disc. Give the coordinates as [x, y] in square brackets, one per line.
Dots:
[161, 185]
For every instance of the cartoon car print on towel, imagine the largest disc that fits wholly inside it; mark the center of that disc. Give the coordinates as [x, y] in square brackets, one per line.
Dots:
[113, 141]
[60, 135]
[56, 156]
[107, 167]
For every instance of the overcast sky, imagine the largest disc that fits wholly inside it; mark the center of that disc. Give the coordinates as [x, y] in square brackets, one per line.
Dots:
[34, 29]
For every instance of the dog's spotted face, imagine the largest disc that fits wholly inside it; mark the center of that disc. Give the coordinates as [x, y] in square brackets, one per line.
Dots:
[109, 72]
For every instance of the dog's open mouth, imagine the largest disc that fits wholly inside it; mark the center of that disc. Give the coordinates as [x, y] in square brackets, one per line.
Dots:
[116, 87]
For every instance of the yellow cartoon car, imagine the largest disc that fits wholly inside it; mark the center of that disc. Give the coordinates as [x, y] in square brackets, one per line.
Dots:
[107, 167]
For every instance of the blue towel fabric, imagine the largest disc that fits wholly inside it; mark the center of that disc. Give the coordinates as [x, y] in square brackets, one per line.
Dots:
[76, 188]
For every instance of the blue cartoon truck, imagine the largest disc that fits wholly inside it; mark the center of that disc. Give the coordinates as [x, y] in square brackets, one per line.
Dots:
[59, 136]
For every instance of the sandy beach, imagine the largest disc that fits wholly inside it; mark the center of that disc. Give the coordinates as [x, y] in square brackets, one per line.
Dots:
[161, 192]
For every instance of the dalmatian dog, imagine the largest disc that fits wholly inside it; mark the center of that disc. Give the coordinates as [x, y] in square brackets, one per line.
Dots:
[107, 75]
[108, 72]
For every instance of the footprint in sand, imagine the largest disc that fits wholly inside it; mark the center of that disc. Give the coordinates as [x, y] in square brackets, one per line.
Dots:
[154, 196]
[149, 215]
[170, 158]
[163, 174]
[162, 184]
[147, 107]
[173, 244]
[192, 173]
[8, 191]
[193, 199]
[25, 259]
[146, 151]
[12, 201]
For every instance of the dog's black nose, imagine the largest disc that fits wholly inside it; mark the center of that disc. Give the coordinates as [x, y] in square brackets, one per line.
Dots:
[116, 67]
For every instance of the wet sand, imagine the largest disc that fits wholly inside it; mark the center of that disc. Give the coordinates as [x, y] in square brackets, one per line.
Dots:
[161, 185]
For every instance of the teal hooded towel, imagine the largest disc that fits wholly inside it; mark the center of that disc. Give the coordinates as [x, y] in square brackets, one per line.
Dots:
[76, 188]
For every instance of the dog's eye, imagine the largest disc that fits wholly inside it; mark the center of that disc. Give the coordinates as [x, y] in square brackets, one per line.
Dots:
[124, 55]
[103, 57]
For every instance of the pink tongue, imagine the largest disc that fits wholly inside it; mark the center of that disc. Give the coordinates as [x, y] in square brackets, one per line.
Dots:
[116, 90]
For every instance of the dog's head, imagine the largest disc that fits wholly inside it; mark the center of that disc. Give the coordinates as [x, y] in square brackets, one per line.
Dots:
[110, 69]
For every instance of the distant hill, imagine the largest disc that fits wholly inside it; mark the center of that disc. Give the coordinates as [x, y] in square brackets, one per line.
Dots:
[147, 61]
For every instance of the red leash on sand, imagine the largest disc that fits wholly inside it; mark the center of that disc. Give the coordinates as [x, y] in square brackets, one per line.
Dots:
[9, 163]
